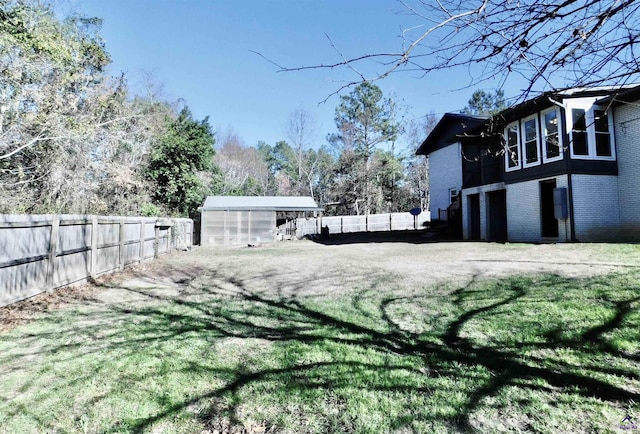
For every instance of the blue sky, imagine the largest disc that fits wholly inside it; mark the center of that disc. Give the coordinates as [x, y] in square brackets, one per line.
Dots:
[201, 52]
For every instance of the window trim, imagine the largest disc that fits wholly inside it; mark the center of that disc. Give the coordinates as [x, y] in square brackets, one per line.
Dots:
[507, 157]
[543, 136]
[538, 161]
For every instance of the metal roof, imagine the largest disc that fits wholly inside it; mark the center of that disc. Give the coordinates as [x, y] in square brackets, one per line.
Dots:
[262, 203]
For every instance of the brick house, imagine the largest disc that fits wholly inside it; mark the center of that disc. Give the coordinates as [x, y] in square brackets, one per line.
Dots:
[564, 166]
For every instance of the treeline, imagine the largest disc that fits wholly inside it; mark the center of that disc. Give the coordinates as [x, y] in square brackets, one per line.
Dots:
[75, 140]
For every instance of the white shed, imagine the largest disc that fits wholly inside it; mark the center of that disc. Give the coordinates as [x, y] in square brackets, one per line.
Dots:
[237, 220]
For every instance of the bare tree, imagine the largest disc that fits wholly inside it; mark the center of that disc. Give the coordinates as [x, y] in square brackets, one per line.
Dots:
[552, 45]
[71, 138]
[301, 131]
[418, 166]
[240, 169]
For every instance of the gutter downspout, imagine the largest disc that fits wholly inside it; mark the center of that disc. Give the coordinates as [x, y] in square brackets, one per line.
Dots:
[567, 158]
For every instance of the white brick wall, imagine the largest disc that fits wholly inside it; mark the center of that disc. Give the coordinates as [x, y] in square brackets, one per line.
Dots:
[596, 208]
[627, 133]
[445, 173]
[484, 220]
[523, 212]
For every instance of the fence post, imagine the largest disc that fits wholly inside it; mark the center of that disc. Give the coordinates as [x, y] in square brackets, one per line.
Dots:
[156, 242]
[366, 223]
[142, 227]
[390, 222]
[121, 239]
[94, 246]
[53, 247]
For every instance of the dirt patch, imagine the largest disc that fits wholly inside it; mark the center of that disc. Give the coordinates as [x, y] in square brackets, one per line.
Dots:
[26, 310]
[105, 289]
[307, 269]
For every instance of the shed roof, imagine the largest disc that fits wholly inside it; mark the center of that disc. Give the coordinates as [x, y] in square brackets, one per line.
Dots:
[262, 203]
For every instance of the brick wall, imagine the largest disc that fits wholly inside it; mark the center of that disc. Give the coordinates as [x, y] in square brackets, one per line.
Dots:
[445, 173]
[596, 208]
[523, 212]
[627, 137]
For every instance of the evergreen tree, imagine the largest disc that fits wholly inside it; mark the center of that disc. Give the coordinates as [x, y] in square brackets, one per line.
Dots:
[483, 103]
[364, 119]
[176, 160]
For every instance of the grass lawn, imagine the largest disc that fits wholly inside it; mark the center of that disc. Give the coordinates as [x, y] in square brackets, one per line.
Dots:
[300, 337]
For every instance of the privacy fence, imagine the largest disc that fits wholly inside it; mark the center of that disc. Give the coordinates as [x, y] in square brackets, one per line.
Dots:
[402, 221]
[43, 252]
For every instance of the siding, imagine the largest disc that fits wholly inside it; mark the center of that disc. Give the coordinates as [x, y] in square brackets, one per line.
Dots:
[445, 172]
[627, 119]
[596, 208]
[237, 227]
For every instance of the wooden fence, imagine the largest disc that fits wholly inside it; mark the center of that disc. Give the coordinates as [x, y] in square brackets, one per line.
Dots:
[43, 252]
[401, 221]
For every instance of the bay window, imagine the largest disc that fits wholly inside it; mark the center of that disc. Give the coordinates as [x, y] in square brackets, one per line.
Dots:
[591, 136]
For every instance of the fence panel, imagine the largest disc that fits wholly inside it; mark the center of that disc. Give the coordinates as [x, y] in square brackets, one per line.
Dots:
[42, 252]
[353, 224]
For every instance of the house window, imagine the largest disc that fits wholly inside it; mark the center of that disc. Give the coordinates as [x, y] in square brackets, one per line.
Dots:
[512, 154]
[453, 195]
[530, 148]
[552, 147]
[579, 144]
[591, 136]
[603, 138]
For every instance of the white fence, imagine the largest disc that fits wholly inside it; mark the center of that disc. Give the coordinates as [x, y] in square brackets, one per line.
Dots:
[43, 252]
[401, 221]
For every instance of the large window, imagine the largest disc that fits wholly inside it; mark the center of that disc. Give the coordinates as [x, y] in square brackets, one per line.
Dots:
[591, 136]
[512, 152]
[602, 136]
[552, 139]
[579, 143]
[531, 145]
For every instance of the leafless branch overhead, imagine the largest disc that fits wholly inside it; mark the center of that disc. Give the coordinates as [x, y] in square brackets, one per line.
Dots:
[551, 44]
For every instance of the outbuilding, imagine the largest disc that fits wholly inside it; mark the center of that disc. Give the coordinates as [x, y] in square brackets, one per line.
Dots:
[237, 220]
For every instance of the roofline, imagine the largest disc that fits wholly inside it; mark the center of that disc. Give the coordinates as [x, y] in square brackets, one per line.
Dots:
[621, 97]
[550, 98]
[423, 149]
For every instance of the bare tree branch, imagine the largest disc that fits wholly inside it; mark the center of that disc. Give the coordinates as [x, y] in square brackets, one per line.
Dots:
[553, 45]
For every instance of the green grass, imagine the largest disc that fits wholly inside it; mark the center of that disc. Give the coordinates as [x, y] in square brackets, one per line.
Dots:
[533, 354]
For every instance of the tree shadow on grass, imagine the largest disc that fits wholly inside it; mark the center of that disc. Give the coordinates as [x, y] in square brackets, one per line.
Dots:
[484, 338]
